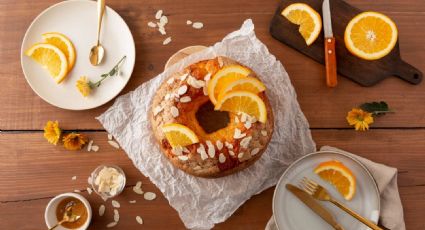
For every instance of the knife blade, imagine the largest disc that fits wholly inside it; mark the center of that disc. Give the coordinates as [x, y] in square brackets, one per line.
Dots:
[330, 55]
[314, 205]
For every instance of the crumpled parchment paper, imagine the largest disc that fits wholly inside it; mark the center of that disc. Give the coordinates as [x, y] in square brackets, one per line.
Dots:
[201, 203]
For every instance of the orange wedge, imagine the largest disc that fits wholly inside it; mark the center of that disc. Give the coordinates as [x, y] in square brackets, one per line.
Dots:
[250, 84]
[179, 135]
[339, 176]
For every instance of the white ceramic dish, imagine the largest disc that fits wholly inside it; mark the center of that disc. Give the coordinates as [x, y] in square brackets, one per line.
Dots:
[77, 19]
[50, 212]
[291, 214]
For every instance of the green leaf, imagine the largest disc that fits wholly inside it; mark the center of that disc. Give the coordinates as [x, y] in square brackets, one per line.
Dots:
[376, 108]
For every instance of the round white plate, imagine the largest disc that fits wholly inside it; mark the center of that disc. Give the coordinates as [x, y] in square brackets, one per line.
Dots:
[77, 19]
[291, 214]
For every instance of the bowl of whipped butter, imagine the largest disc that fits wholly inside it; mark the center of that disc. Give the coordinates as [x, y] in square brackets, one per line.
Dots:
[108, 181]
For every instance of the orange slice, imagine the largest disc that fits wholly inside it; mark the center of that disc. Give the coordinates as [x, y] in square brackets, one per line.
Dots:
[339, 176]
[307, 18]
[64, 44]
[179, 135]
[243, 102]
[51, 58]
[370, 35]
[250, 84]
[223, 77]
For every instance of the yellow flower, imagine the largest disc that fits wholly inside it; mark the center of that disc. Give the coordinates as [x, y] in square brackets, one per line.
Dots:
[83, 85]
[74, 141]
[52, 132]
[359, 119]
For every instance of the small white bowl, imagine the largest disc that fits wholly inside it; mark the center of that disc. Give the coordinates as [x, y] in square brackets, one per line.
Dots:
[50, 212]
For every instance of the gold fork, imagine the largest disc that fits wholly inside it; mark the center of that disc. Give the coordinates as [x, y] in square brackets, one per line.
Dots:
[320, 193]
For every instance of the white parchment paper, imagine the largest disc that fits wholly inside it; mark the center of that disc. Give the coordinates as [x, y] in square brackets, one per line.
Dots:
[201, 203]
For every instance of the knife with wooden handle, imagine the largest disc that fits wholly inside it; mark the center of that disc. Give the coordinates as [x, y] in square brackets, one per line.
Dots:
[330, 55]
[314, 205]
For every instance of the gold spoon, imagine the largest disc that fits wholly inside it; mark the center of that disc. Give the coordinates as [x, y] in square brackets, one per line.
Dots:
[97, 52]
[67, 217]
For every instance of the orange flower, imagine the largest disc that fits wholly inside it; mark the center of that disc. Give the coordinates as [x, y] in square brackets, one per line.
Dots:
[359, 119]
[52, 132]
[74, 141]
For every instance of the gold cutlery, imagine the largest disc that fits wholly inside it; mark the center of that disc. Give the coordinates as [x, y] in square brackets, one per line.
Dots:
[314, 205]
[320, 193]
[97, 52]
[68, 216]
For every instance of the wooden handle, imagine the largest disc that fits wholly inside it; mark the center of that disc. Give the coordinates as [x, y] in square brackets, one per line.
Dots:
[330, 58]
[365, 221]
[408, 73]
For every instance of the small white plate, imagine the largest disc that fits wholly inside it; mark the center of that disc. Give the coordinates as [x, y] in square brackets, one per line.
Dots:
[291, 214]
[77, 19]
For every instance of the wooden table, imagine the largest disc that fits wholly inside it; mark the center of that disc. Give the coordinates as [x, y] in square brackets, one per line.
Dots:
[33, 171]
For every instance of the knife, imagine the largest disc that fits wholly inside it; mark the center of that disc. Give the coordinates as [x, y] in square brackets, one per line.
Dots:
[330, 55]
[314, 205]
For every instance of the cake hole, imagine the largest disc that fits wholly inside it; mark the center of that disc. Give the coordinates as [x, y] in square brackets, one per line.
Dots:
[211, 120]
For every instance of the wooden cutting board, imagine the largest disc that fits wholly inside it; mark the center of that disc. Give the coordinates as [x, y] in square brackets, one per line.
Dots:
[366, 73]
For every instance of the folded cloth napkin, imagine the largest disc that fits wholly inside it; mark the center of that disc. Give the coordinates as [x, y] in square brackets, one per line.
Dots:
[391, 215]
[200, 202]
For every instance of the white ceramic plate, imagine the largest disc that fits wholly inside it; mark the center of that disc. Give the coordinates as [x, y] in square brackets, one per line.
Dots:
[291, 214]
[77, 19]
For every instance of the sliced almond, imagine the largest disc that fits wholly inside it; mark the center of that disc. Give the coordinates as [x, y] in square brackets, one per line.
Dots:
[116, 215]
[197, 25]
[149, 196]
[161, 29]
[95, 148]
[114, 144]
[238, 134]
[182, 90]
[151, 24]
[264, 132]
[255, 151]
[219, 144]
[77, 190]
[111, 225]
[110, 137]
[221, 158]
[211, 149]
[245, 142]
[174, 111]
[132, 201]
[183, 158]
[89, 145]
[74, 178]
[240, 155]
[157, 110]
[228, 145]
[248, 124]
[202, 152]
[166, 41]
[158, 14]
[178, 151]
[89, 190]
[189, 22]
[170, 80]
[102, 210]
[185, 99]
[139, 219]
[115, 204]
[197, 84]
[163, 20]
[231, 153]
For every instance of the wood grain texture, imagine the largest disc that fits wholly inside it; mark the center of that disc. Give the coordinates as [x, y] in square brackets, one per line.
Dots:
[22, 109]
[34, 172]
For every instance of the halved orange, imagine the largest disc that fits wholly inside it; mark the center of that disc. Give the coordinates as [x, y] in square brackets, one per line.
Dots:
[370, 35]
[223, 77]
[243, 102]
[307, 18]
[339, 176]
[179, 135]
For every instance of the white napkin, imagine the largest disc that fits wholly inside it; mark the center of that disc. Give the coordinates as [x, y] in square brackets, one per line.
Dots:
[201, 203]
[391, 215]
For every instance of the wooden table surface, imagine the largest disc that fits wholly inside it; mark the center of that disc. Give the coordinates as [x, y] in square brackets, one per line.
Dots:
[33, 171]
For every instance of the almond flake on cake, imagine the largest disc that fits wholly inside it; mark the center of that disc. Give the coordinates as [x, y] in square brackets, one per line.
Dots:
[245, 142]
[197, 84]
[248, 124]
[211, 149]
[174, 111]
[255, 151]
[115, 204]
[264, 132]
[207, 77]
[238, 134]
[219, 144]
[231, 153]
[170, 80]
[221, 158]
[185, 99]
[202, 152]
[184, 76]
[240, 155]
[182, 90]
[228, 145]
[157, 110]
[183, 158]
